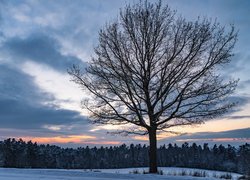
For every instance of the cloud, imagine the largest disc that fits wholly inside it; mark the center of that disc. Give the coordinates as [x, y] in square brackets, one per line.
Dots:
[75, 27]
[16, 114]
[244, 84]
[240, 101]
[237, 133]
[14, 84]
[234, 137]
[39, 48]
[22, 104]
[238, 117]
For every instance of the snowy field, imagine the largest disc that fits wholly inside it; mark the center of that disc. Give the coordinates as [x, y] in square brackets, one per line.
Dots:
[106, 174]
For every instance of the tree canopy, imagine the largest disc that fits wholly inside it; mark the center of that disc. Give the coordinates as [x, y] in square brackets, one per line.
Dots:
[155, 70]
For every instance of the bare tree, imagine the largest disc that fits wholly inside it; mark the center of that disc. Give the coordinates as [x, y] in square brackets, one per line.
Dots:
[155, 71]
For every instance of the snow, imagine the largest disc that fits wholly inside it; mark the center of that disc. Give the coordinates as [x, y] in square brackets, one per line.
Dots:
[101, 174]
[174, 171]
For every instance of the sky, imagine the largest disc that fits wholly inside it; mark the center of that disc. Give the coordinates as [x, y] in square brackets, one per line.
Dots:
[40, 40]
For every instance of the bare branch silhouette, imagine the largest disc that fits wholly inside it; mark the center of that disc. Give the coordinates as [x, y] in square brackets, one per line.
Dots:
[154, 70]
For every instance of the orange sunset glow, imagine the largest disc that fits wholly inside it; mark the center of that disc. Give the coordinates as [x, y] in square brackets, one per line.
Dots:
[78, 139]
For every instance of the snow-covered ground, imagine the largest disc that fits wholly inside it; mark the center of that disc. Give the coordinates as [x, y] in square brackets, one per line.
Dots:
[174, 171]
[105, 174]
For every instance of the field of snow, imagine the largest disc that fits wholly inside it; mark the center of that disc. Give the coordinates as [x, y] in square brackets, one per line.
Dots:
[104, 174]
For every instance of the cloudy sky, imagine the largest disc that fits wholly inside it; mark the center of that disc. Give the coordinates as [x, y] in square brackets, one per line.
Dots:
[39, 40]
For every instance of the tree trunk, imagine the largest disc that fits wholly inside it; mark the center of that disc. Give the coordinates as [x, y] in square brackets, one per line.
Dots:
[152, 151]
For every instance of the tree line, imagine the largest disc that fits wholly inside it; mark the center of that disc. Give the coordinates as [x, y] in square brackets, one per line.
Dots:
[20, 154]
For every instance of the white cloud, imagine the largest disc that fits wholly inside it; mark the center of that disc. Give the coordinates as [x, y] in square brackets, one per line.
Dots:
[67, 94]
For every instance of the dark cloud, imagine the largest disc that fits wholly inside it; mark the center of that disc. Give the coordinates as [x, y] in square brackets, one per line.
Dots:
[238, 117]
[241, 100]
[21, 104]
[233, 137]
[39, 48]
[16, 114]
[16, 85]
[238, 133]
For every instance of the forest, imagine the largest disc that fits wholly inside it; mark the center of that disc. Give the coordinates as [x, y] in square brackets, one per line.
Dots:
[20, 154]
